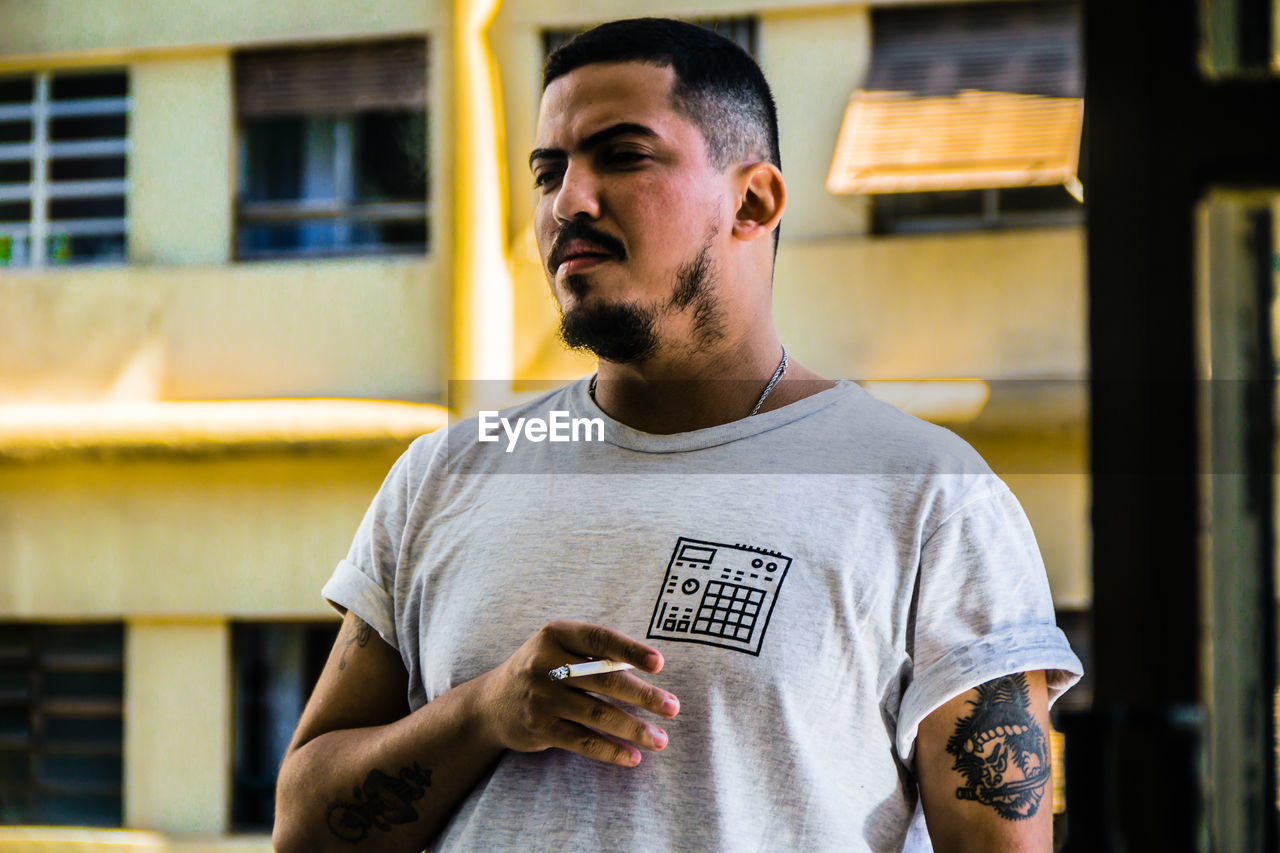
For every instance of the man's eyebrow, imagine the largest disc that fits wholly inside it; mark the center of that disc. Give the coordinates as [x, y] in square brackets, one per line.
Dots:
[595, 140]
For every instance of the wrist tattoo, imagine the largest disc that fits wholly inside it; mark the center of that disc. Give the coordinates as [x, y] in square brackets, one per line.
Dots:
[1001, 750]
[383, 801]
[360, 637]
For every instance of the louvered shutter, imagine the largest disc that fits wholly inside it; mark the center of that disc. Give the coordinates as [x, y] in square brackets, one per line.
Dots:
[332, 80]
[965, 97]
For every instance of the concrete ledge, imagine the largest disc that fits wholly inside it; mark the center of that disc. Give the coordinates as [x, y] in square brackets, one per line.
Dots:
[57, 839]
[36, 431]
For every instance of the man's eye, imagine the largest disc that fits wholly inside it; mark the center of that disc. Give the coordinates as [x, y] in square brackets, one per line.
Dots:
[544, 178]
[627, 158]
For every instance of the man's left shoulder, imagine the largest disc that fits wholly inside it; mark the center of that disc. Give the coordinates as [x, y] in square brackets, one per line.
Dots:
[892, 441]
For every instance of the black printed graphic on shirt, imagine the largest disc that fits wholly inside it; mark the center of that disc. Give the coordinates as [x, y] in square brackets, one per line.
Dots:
[719, 595]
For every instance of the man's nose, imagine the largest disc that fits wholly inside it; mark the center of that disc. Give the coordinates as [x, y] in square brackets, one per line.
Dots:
[578, 196]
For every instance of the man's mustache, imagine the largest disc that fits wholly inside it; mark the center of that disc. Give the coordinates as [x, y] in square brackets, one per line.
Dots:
[582, 231]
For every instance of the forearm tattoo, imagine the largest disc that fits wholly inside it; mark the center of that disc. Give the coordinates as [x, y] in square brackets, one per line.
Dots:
[1001, 750]
[382, 802]
[360, 637]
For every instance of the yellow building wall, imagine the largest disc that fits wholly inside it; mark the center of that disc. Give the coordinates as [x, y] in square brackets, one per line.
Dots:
[100, 27]
[987, 304]
[344, 327]
[251, 534]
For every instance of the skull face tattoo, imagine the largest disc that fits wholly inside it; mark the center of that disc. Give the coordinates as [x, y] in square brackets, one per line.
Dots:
[1001, 750]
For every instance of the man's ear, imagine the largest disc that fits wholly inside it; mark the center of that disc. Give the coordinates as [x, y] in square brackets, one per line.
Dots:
[763, 196]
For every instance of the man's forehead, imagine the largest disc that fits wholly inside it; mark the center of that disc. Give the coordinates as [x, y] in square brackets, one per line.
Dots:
[595, 95]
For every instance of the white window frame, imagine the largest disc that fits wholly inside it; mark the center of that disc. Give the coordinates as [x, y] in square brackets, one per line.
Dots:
[40, 151]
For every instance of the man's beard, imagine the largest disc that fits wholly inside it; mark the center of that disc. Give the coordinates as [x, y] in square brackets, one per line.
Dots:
[623, 333]
[626, 333]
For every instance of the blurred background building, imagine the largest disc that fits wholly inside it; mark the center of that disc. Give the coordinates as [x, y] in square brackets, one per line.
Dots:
[245, 247]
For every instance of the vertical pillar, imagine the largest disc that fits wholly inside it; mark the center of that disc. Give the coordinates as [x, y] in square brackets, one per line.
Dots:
[1241, 413]
[182, 133]
[177, 726]
[482, 295]
[1140, 785]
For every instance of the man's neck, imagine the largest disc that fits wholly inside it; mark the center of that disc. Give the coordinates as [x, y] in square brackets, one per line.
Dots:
[701, 390]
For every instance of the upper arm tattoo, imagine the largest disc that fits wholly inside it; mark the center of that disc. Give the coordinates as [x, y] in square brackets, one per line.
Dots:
[360, 636]
[1001, 750]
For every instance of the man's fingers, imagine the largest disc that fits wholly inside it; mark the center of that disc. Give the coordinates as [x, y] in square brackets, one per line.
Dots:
[608, 719]
[597, 641]
[532, 712]
[592, 744]
[626, 687]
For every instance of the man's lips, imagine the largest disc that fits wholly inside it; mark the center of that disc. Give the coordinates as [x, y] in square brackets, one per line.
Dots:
[578, 254]
[580, 262]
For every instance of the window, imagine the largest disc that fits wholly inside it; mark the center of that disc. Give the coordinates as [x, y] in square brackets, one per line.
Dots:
[961, 210]
[333, 150]
[971, 117]
[740, 30]
[61, 724]
[276, 667]
[63, 181]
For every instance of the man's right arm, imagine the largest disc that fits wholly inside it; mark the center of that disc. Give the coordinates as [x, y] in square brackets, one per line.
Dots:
[363, 772]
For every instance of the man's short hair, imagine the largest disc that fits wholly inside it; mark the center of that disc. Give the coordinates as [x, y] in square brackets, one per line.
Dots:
[718, 86]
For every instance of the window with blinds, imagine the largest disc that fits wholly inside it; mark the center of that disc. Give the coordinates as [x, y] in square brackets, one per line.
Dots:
[332, 150]
[971, 116]
[64, 146]
[740, 29]
[61, 724]
[276, 666]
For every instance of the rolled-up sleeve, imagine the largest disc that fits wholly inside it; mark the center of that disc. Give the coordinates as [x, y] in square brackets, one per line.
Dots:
[983, 610]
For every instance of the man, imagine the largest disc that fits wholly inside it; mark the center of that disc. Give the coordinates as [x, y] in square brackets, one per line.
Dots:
[833, 610]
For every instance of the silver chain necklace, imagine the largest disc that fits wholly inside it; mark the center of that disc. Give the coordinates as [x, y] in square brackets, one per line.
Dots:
[773, 380]
[777, 374]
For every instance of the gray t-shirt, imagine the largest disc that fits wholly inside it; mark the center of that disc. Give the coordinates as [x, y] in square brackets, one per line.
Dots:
[819, 579]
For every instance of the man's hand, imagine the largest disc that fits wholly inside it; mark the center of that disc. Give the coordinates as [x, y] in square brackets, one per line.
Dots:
[363, 770]
[521, 708]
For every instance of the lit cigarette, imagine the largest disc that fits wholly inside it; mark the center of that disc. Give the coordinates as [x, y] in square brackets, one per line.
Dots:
[591, 667]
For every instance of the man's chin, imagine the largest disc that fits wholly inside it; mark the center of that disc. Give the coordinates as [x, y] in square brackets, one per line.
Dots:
[620, 333]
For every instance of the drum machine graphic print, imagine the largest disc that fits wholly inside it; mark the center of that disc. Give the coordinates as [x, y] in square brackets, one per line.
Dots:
[720, 595]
